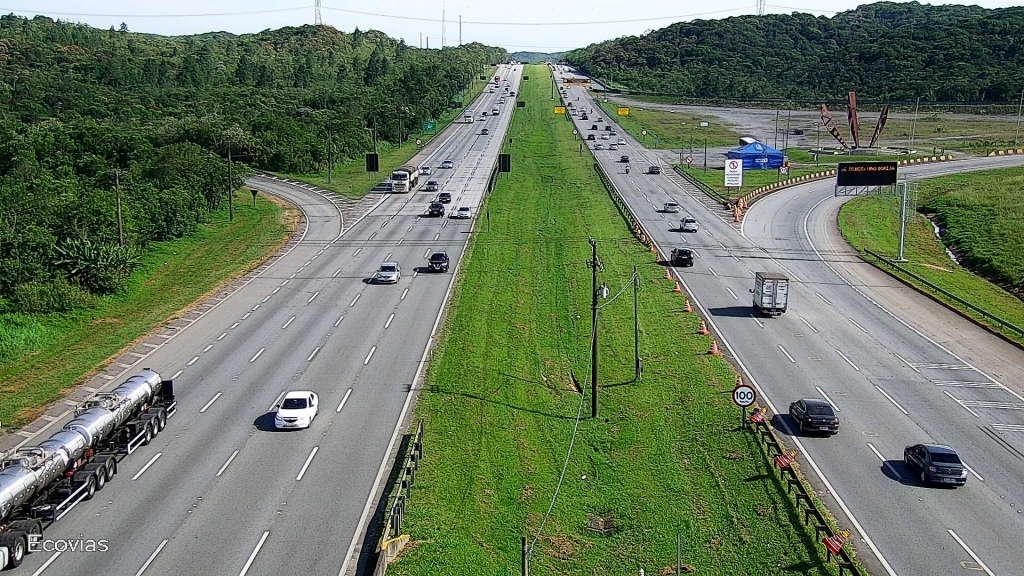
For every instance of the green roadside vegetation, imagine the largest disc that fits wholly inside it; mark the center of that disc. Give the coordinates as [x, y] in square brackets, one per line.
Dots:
[350, 179]
[665, 457]
[669, 129]
[982, 217]
[41, 356]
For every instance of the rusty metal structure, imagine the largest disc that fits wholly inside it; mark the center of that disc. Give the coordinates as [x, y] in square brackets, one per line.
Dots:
[881, 124]
[830, 125]
[851, 115]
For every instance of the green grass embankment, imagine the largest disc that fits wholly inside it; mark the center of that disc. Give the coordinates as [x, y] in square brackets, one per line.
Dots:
[665, 457]
[669, 129]
[982, 216]
[42, 356]
[350, 179]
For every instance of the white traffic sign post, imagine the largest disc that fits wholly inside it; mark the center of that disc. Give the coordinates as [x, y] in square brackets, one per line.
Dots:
[733, 173]
[743, 396]
[418, 141]
[574, 133]
[689, 160]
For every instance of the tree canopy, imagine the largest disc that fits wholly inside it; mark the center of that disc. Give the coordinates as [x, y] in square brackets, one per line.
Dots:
[86, 110]
[885, 51]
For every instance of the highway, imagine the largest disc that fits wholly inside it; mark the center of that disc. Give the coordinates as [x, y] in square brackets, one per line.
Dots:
[899, 368]
[220, 491]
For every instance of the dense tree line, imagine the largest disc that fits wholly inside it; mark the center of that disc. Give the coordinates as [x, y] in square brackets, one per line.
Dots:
[86, 110]
[536, 57]
[884, 51]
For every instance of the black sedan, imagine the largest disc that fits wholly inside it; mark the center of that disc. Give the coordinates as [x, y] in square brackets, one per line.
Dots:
[935, 463]
[682, 257]
[813, 415]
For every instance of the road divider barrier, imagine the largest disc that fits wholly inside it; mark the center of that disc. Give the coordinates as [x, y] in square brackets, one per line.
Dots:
[797, 487]
[1007, 152]
[392, 540]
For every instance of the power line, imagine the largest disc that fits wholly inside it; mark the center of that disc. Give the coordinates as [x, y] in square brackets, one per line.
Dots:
[247, 12]
[484, 23]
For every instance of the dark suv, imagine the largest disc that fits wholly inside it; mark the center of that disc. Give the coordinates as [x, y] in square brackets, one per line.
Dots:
[934, 463]
[654, 170]
[439, 262]
[444, 197]
[681, 257]
[436, 209]
[813, 415]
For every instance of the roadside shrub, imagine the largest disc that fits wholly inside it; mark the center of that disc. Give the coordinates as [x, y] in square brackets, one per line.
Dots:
[57, 295]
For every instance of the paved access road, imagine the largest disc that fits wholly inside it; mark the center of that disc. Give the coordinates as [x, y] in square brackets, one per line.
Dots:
[899, 368]
[219, 491]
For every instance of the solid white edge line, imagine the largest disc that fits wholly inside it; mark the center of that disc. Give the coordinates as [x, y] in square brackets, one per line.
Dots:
[343, 400]
[144, 566]
[315, 350]
[225, 466]
[848, 361]
[388, 323]
[54, 557]
[257, 355]
[306, 465]
[962, 405]
[370, 355]
[971, 552]
[255, 551]
[827, 399]
[814, 466]
[787, 354]
[208, 404]
[148, 464]
[176, 374]
[885, 462]
[971, 470]
[894, 402]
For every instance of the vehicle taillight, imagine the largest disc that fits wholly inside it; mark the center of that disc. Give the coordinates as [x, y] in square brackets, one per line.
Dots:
[835, 421]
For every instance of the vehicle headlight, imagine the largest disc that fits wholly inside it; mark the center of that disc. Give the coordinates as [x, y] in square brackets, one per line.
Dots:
[931, 468]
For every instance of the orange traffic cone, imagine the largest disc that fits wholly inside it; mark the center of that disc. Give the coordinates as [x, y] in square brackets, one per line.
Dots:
[736, 215]
[679, 290]
[668, 275]
[739, 380]
[835, 543]
[703, 330]
[714, 348]
[687, 308]
[651, 247]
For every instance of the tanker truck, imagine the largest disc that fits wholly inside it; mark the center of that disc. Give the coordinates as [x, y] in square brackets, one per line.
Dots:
[405, 178]
[40, 484]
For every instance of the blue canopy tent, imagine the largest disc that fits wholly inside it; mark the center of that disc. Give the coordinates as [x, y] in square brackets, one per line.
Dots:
[757, 156]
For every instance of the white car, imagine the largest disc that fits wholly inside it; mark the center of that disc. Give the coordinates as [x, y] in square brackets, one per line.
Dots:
[425, 171]
[605, 137]
[389, 273]
[670, 207]
[297, 410]
[598, 146]
[447, 164]
[462, 213]
[621, 142]
[688, 224]
[613, 146]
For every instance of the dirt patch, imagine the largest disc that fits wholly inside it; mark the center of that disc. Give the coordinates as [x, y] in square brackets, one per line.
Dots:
[671, 570]
[104, 321]
[934, 267]
[562, 547]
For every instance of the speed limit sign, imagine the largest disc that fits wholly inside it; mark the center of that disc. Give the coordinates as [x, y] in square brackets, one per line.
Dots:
[418, 141]
[574, 132]
[743, 395]
[644, 132]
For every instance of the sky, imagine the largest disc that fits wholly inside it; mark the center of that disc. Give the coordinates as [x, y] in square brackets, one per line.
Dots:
[517, 25]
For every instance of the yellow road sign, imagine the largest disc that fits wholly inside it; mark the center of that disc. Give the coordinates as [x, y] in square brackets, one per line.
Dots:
[623, 111]
[559, 109]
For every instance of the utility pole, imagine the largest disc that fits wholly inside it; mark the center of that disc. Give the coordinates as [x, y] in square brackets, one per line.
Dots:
[785, 141]
[317, 19]
[776, 143]
[913, 129]
[705, 154]
[421, 40]
[460, 29]
[375, 127]
[1019, 107]
[593, 345]
[231, 205]
[636, 325]
[525, 567]
[330, 152]
[117, 195]
[818, 148]
[442, 28]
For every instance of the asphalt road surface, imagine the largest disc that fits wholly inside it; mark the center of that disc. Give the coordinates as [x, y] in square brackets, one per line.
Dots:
[220, 491]
[899, 368]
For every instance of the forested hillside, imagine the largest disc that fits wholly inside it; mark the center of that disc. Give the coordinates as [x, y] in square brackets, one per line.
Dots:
[536, 57]
[883, 51]
[82, 106]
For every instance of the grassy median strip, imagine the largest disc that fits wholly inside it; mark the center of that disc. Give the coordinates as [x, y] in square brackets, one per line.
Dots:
[45, 355]
[665, 457]
[350, 179]
[983, 218]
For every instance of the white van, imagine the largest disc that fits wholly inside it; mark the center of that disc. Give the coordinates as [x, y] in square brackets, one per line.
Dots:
[468, 117]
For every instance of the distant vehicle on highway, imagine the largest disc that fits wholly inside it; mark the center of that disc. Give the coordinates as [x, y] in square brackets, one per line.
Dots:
[935, 463]
[425, 171]
[436, 209]
[591, 137]
[613, 146]
[439, 262]
[444, 197]
[297, 410]
[673, 208]
[607, 128]
[813, 415]
[593, 126]
[614, 133]
[681, 257]
[598, 146]
[771, 293]
[584, 117]
[463, 212]
[621, 142]
[600, 119]
[389, 273]
[624, 158]
[605, 137]
[654, 169]
[447, 164]
[431, 186]
[688, 224]
[484, 132]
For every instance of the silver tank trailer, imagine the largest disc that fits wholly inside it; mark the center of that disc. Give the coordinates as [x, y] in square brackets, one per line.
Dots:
[94, 425]
[136, 391]
[114, 409]
[27, 472]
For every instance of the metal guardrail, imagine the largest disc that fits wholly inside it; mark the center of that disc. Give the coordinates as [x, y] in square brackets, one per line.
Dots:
[392, 540]
[1005, 324]
[802, 497]
[702, 186]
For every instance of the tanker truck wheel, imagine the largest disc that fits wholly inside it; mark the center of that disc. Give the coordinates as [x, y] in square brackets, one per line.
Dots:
[148, 434]
[86, 477]
[29, 527]
[152, 422]
[17, 546]
[99, 472]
